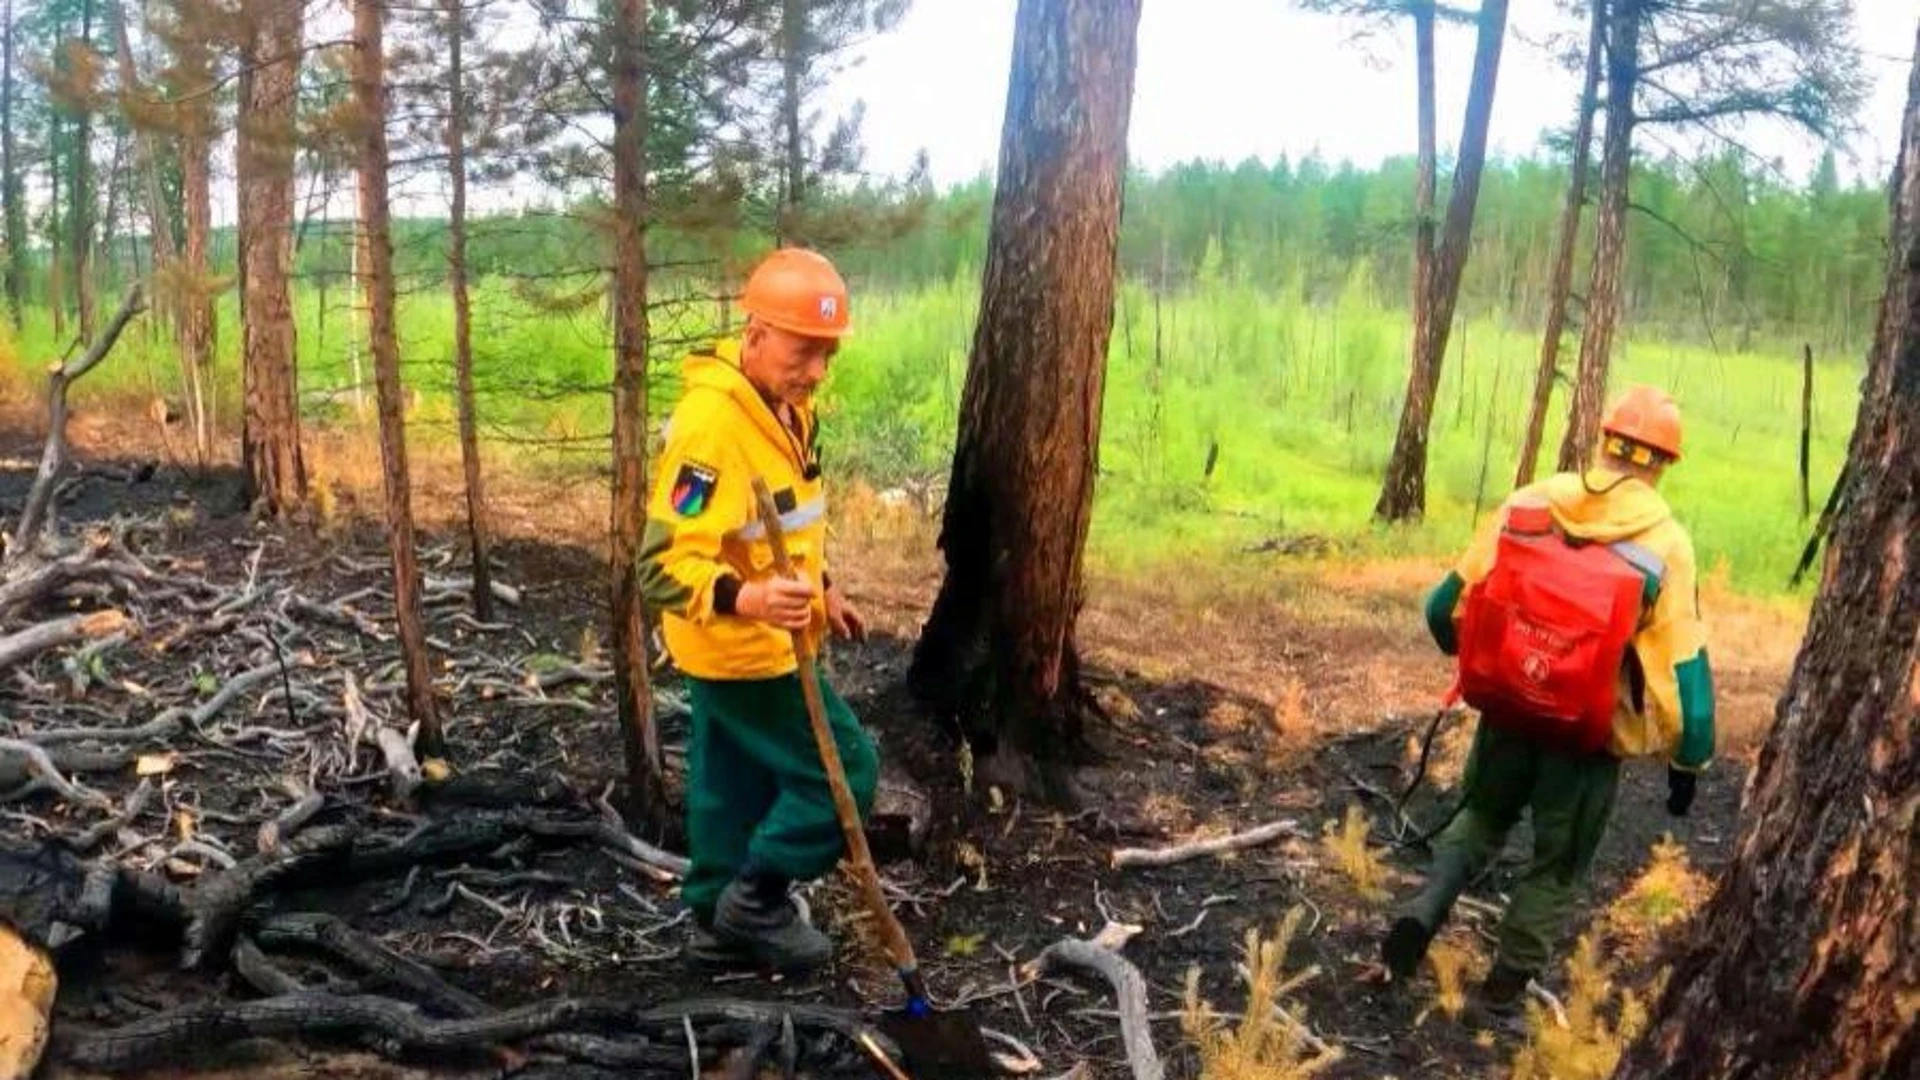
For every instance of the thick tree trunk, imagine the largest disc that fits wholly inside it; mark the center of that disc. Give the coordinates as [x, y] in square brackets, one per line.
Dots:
[80, 199]
[793, 24]
[462, 311]
[646, 772]
[1403, 493]
[370, 92]
[997, 655]
[1806, 962]
[270, 443]
[1610, 238]
[12, 193]
[1564, 247]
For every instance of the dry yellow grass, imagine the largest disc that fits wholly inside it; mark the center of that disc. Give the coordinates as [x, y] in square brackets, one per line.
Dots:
[1451, 965]
[1346, 848]
[1600, 1023]
[1266, 1042]
[1667, 891]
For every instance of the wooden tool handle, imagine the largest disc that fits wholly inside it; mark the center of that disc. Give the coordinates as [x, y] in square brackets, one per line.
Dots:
[899, 949]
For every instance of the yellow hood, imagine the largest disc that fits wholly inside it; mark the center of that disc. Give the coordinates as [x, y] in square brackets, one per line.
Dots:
[1603, 506]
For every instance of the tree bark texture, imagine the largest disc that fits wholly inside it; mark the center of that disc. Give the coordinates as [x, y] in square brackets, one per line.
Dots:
[1425, 174]
[56, 276]
[997, 655]
[264, 152]
[197, 325]
[1610, 238]
[1564, 247]
[80, 197]
[11, 191]
[455, 11]
[793, 44]
[646, 772]
[1403, 493]
[1806, 962]
[159, 222]
[370, 92]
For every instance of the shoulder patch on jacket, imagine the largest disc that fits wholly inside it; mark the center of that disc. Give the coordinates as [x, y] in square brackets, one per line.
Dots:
[693, 488]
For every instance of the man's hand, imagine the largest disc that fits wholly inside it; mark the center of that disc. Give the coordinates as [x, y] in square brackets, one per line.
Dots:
[843, 617]
[1680, 790]
[783, 602]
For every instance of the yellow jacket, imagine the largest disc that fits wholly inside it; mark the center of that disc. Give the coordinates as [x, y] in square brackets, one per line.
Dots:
[704, 538]
[1666, 692]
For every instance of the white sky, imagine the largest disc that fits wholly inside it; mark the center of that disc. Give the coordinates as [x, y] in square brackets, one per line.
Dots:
[1225, 79]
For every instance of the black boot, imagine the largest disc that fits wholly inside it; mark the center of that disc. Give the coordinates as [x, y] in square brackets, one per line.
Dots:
[757, 920]
[1421, 917]
[705, 949]
[1405, 946]
[1502, 996]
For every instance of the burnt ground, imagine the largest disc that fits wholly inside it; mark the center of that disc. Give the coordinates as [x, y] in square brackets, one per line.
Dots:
[999, 881]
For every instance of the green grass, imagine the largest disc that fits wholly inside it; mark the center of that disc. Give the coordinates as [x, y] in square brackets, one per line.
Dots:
[1301, 398]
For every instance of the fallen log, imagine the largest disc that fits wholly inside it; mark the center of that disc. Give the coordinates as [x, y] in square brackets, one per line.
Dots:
[187, 1032]
[325, 933]
[23, 645]
[1179, 853]
[27, 984]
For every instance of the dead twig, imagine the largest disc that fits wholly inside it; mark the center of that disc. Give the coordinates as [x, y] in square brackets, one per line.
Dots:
[1168, 856]
[274, 832]
[1129, 988]
[168, 722]
[60, 377]
[43, 769]
[135, 806]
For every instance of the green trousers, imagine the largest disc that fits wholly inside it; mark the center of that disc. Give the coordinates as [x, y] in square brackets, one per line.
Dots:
[1570, 797]
[756, 790]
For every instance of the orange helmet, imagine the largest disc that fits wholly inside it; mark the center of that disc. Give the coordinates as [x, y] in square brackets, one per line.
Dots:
[1648, 416]
[798, 291]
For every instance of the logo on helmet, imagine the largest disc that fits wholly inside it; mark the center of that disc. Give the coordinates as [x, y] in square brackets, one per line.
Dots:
[829, 308]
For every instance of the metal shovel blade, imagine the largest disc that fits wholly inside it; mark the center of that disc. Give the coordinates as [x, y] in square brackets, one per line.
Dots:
[940, 1045]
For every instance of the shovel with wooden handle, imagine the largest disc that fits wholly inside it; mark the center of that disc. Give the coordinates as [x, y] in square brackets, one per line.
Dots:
[944, 1043]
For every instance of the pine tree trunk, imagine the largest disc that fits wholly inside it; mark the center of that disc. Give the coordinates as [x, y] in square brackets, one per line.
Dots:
[270, 442]
[197, 327]
[1610, 238]
[793, 22]
[1806, 962]
[80, 200]
[370, 92]
[56, 273]
[161, 248]
[1403, 493]
[646, 772]
[997, 656]
[462, 311]
[1425, 175]
[1563, 251]
[12, 193]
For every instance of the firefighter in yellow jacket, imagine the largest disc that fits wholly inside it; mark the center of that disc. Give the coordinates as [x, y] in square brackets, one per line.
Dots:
[1664, 705]
[759, 813]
